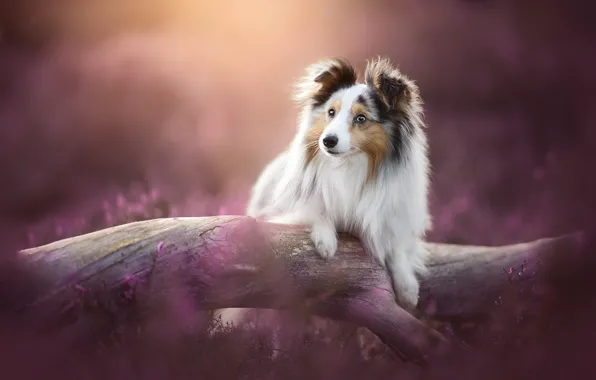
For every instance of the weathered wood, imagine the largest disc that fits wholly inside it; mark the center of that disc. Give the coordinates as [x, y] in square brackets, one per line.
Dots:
[234, 261]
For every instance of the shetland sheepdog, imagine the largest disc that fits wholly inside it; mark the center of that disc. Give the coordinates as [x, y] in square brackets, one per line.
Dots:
[358, 164]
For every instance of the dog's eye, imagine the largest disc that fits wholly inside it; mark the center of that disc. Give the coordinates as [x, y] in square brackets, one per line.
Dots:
[331, 112]
[360, 119]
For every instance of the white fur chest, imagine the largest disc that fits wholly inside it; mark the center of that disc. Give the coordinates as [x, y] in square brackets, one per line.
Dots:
[339, 190]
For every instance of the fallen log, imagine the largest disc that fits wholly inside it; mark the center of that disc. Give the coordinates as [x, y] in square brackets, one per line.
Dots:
[238, 262]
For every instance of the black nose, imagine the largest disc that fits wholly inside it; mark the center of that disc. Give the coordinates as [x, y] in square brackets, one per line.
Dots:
[330, 141]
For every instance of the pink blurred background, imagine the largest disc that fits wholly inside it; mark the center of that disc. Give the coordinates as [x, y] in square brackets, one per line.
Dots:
[115, 111]
[112, 111]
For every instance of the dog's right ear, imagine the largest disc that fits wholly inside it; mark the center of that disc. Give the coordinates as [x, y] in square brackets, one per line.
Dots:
[395, 88]
[322, 79]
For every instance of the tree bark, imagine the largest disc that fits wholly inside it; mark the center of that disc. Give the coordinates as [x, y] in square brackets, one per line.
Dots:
[235, 261]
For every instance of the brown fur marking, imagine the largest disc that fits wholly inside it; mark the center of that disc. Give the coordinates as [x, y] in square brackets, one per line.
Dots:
[339, 75]
[315, 132]
[312, 138]
[336, 106]
[396, 89]
[359, 108]
[372, 139]
[322, 79]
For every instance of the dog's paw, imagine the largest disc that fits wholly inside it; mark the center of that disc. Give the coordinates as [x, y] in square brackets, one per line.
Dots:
[405, 284]
[324, 238]
[407, 295]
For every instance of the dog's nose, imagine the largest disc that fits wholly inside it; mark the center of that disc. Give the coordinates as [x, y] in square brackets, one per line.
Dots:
[330, 141]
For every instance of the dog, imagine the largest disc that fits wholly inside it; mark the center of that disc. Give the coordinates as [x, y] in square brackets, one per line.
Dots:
[358, 164]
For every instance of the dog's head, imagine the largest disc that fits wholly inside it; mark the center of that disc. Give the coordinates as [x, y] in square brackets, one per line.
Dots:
[346, 117]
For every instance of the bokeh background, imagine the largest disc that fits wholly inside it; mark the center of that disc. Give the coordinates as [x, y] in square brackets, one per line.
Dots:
[190, 99]
[113, 111]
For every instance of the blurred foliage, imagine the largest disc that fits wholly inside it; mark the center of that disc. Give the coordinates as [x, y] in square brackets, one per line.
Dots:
[519, 321]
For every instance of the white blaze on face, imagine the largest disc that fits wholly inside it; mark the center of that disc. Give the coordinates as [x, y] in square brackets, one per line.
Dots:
[335, 139]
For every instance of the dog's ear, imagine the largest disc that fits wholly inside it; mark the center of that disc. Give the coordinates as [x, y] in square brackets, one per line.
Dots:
[394, 88]
[322, 79]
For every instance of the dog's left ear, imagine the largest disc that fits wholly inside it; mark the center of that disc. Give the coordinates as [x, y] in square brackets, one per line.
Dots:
[395, 88]
[322, 79]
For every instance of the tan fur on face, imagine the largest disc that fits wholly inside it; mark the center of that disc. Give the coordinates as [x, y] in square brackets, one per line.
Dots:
[315, 132]
[336, 106]
[312, 138]
[360, 109]
[371, 138]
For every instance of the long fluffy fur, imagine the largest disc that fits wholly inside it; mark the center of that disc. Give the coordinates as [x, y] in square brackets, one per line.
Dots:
[377, 190]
